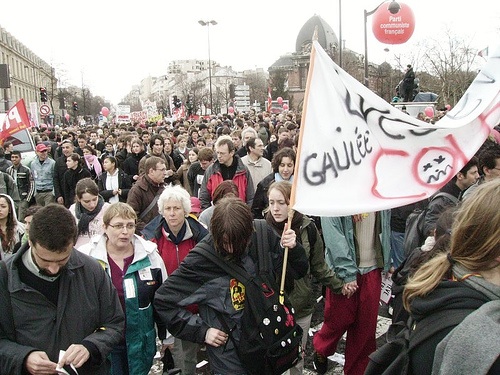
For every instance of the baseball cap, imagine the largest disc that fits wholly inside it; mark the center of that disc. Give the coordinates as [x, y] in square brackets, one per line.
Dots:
[195, 205]
[41, 147]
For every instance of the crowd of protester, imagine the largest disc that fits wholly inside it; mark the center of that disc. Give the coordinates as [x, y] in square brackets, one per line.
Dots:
[141, 197]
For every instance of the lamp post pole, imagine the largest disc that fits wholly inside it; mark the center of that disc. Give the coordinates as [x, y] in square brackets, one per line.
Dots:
[394, 7]
[340, 33]
[207, 24]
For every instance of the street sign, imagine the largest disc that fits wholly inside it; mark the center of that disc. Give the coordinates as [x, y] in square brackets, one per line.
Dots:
[242, 103]
[44, 109]
[242, 98]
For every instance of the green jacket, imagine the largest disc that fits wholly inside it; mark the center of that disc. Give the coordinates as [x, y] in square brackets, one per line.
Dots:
[341, 253]
[143, 277]
[302, 298]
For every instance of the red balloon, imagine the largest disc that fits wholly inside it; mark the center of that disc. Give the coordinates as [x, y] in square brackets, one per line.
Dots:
[391, 28]
[280, 100]
[230, 110]
[285, 107]
[105, 111]
[429, 111]
[66, 116]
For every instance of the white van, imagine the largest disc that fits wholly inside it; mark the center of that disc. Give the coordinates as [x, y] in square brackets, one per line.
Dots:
[23, 142]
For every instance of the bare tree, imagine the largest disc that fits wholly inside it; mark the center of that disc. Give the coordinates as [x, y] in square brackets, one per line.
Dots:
[258, 87]
[446, 66]
[278, 82]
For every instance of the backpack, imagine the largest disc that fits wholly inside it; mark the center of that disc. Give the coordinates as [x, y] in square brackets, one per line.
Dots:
[312, 235]
[393, 357]
[414, 230]
[270, 340]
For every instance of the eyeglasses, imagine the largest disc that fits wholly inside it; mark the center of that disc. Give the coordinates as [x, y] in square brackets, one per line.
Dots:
[121, 226]
[497, 168]
[161, 169]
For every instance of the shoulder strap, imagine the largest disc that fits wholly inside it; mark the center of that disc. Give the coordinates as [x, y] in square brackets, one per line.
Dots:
[148, 208]
[230, 268]
[429, 326]
[262, 244]
[312, 234]
[447, 195]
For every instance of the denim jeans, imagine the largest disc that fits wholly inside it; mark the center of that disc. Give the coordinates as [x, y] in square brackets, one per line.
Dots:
[397, 250]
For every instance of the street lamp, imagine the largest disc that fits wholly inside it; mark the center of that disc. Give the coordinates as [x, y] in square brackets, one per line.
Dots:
[207, 24]
[394, 7]
[340, 33]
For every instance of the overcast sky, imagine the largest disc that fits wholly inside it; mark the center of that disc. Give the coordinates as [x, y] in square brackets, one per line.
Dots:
[111, 45]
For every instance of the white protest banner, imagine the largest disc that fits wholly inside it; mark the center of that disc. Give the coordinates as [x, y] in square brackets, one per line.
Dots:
[358, 154]
[122, 114]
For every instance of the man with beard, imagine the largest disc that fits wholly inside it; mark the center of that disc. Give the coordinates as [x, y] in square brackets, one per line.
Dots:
[56, 299]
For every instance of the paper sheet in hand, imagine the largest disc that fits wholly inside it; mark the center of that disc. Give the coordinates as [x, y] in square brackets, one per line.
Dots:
[68, 369]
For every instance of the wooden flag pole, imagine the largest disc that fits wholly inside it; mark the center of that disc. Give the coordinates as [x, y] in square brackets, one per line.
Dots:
[285, 260]
[291, 211]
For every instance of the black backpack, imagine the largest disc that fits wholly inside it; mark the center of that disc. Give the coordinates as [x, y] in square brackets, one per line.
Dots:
[393, 357]
[414, 230]
[270, 340]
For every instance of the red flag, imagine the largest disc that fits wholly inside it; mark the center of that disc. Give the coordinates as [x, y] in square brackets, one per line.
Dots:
[269, 99]
[16, 120]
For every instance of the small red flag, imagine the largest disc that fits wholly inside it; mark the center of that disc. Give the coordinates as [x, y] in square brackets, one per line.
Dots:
[269, 99]
[16, 120]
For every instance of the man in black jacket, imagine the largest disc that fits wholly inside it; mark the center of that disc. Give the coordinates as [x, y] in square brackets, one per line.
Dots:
[59, 307]
[467, 176]
[408, 84]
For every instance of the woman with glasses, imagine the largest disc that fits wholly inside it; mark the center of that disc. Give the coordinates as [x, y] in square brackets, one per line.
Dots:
[88, 209]
[176, 233]
[136, 270]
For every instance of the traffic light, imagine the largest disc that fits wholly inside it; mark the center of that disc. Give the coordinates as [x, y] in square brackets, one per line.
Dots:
[75, 106]
[43, 95]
